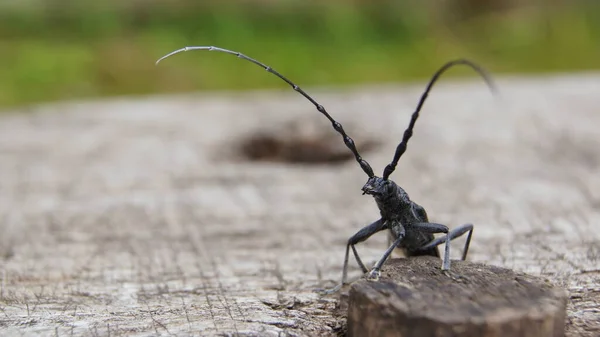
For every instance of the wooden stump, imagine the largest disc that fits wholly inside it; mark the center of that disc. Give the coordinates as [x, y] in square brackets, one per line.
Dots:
[414, 297]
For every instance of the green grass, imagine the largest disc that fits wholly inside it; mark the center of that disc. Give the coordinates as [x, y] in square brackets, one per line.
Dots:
[55, 50]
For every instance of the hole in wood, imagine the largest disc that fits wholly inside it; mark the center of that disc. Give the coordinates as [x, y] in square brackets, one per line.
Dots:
[300, 143]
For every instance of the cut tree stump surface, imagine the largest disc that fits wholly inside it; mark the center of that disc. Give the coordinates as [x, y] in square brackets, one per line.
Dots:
[137, 217]
[415, 298]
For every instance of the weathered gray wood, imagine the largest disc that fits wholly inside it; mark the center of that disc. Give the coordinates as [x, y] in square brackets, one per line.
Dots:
[133, 217]
[414, 298]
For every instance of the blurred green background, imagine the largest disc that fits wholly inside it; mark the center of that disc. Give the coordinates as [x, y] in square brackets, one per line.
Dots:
[59, 49]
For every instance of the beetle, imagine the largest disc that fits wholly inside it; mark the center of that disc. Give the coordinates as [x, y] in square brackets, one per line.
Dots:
[407, 222]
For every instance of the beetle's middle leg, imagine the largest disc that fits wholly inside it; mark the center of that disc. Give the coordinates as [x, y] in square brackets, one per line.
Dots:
[453, 234]
[433, 228]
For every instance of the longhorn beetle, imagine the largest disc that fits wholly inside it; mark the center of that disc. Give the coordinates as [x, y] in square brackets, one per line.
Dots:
[407, 222]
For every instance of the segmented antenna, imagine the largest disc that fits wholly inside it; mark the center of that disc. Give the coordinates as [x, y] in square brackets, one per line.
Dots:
[337, 126]
[389, 169]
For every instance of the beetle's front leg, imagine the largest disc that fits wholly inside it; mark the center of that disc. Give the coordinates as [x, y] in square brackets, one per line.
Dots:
[360, 236]
[375, 272]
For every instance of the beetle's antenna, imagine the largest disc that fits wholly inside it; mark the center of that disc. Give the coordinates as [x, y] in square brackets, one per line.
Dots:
[337, 126]
[389, 169]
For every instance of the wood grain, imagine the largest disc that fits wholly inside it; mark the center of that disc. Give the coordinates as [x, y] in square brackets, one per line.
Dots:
[133, 217]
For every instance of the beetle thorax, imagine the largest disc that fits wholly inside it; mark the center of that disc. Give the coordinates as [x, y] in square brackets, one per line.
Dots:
[391, 199]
